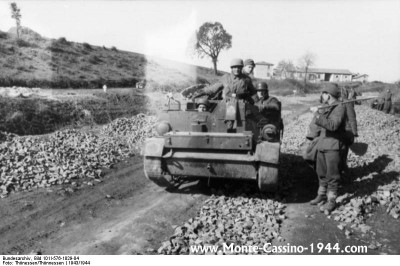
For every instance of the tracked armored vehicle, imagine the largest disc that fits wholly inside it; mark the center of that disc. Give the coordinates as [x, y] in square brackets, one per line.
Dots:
[231, 140]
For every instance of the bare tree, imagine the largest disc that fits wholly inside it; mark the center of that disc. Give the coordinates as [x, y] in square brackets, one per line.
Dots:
[285, 67]
[16, 14]
[211, 39]
[307, 61]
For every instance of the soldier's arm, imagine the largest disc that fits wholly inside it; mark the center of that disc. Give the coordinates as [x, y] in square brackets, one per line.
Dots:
[273, 104]
[213, 88]
[334, 121]
[208, 90]
[225, 92]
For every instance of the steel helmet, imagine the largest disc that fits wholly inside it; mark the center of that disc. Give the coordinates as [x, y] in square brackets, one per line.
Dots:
[249, 62]
[236, 62]
[332, 89]
[203, 101]
[262, 86]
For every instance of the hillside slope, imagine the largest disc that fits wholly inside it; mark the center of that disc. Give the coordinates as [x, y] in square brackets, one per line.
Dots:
[36, 61]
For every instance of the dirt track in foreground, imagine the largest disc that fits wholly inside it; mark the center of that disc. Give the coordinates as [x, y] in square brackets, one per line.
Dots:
[124, 214]
[127, 214]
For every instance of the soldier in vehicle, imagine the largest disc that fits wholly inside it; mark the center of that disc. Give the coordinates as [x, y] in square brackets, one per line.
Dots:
[332, 123]
[235, 84]
[202, 105]
[269, 107]
[248, 67]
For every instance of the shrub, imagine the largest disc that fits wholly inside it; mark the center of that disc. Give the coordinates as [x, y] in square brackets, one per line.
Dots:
[23, 43]
[7, 49]
[93, 59]
[3, 49]
[114, 49]
[87, 46]
[105, 48]
[70, 58]
[63, 40]
[122, 64]
[3, 35]
[53, 47]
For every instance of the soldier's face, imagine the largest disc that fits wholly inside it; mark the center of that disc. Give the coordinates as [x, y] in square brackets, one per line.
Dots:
[261, 94]
[325, 97]
[236, 70]
[202, 108]
[248, 69]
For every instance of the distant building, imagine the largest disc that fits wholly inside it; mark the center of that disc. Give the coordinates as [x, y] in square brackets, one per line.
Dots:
[323, 74]
[362, 78]
[283, 73]
[263, 70]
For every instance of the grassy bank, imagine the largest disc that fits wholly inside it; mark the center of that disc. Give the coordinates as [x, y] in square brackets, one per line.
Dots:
[33, 116]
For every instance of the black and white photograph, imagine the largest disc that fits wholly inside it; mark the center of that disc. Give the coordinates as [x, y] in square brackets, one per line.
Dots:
[148, 128]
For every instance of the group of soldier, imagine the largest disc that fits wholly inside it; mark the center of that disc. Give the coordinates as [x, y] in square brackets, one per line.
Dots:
[238, 84]
[332, 130]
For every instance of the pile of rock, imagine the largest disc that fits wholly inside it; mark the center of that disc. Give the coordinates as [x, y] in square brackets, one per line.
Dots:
[66, 156]
[246, 220]
[133, 131]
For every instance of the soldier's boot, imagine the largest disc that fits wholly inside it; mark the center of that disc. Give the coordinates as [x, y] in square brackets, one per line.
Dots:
[321, 197]
[331, 204]
[318, 199]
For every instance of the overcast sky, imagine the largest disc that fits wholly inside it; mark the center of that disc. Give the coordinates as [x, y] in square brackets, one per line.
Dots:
[359, 35]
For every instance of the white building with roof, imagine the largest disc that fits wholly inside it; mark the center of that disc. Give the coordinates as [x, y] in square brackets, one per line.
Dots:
[323, 74]
[263, 70]
[362, 78]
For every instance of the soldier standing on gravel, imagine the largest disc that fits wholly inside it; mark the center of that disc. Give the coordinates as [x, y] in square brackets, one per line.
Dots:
[332, 124]
[387, 105]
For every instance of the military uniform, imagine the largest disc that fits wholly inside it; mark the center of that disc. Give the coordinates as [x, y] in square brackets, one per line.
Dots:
[230, 84]
[241, 85]
[250, 75]
[269, 108]
[332, 125]
[387, 105]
